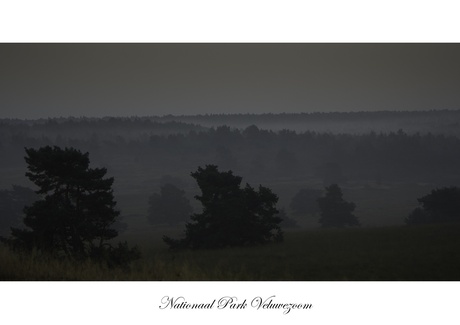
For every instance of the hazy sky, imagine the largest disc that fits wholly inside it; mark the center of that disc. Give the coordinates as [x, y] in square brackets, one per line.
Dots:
[52, 80]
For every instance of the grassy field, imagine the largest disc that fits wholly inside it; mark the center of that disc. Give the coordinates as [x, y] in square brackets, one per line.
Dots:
[391, 253]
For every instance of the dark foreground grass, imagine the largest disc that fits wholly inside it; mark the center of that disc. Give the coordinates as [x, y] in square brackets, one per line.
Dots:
[393, 253]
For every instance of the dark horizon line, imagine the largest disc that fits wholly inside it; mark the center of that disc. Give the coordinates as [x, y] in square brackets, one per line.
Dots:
[233, 114]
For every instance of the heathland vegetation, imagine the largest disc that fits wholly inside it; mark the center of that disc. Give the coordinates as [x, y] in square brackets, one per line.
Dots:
[428, 252]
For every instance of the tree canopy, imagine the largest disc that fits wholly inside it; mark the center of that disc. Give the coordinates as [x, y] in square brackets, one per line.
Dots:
[441, 205]
[76, 212]
[232, 215]
[335, 211]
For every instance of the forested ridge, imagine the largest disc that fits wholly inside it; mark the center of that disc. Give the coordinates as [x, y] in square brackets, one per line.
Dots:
[177, 146]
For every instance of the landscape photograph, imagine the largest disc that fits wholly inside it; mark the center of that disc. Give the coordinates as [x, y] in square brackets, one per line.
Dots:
[229, 161]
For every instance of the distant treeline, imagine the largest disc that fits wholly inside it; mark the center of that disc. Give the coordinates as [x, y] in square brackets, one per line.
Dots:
[91, 128]
[251, 152]
[434, 121]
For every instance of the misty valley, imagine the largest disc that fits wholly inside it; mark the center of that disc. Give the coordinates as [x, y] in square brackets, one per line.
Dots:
[308, 196]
